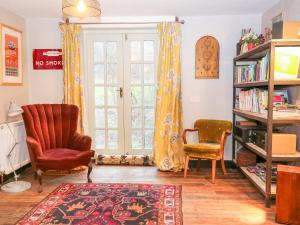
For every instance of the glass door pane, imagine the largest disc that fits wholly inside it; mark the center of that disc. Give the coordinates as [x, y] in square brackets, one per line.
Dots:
[106, 105]
[141, 81]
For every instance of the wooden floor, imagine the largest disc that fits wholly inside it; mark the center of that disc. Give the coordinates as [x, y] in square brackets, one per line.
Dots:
[232, 200]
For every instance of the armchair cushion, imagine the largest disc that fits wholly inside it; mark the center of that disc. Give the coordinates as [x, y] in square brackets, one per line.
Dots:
[80, 142]
[63, 158]
[206, 150]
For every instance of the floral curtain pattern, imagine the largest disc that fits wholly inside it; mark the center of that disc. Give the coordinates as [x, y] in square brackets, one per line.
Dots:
[73, 87]
[168, 153]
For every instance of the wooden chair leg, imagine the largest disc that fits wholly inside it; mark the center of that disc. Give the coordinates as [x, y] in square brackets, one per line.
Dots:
[198, 165]
[186, 166]
[214, 163]
[90, 168]
[39, 177]
[35, 176]
[223, 166]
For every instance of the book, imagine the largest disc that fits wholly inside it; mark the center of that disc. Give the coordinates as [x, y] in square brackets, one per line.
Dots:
[251, 71]
[246, 123]
[280, 97]
[253, 100]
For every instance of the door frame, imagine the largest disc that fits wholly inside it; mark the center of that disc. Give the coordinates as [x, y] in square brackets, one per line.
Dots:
[86, 34]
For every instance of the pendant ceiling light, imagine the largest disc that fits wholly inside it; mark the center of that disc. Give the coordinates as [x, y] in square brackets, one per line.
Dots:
[81, 8]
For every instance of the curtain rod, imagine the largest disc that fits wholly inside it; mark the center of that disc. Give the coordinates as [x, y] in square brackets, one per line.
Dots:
[85, 23]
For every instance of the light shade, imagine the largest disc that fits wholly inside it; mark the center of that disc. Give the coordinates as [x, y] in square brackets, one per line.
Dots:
[14, 110]
[299, 31]
[81, 8]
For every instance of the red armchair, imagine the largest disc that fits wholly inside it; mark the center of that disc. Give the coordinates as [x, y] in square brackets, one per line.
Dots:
[52, 140]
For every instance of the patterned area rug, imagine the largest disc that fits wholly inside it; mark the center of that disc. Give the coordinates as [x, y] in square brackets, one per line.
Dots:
[109, 204]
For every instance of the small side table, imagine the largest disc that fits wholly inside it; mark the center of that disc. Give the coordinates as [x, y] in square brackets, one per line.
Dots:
[288, 195]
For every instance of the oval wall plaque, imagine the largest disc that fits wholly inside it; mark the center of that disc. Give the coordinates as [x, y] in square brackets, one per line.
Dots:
[207, 58]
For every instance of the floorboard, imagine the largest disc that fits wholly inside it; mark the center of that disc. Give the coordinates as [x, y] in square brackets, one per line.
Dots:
[231, 200]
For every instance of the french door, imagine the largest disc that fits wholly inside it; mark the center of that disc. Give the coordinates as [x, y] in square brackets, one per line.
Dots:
[121, 89]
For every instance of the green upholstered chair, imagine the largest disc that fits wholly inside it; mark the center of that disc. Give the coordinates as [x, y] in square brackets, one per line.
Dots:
[212, 138]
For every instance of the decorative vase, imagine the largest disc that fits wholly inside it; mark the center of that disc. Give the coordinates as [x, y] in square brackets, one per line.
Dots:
[251, 46]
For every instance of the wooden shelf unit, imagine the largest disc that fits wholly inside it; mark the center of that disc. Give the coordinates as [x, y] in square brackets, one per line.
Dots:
[260, 50]
[256, 181]
[265, 83]
[264, 118]
[262, 152]
[268, 189]
[261, 185]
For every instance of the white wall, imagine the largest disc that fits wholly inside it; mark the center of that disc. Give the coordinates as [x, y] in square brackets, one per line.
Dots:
[211, 99]
[289, 8]
[293, 10]
[266, 20]
[45, 86]
[19, 94]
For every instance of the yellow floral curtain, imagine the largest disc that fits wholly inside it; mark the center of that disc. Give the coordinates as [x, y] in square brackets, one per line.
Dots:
[168, 152]
[73, 89]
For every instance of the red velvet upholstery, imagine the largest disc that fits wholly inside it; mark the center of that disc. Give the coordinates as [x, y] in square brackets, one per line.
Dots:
[52, 139]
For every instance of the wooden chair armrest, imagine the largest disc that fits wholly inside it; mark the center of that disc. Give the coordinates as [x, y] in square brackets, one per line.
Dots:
[228, 132]
[185, 132]
[225, 134]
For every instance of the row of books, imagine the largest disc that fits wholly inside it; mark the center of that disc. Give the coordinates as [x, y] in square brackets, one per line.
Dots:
[256, 100]
[252, 71]
[253, 100]
[260, 171]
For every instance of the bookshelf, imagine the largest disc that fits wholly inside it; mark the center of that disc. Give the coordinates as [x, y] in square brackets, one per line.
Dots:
[269, 119]
[262, 153]
[265, 83]
[264, 118]
[258, 182]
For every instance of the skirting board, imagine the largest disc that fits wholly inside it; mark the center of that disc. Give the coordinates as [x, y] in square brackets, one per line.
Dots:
[207, 164]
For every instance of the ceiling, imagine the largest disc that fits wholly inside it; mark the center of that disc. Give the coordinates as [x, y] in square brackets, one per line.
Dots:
[52, 8]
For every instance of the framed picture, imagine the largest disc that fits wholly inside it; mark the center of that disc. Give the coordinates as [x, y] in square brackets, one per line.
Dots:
[207, 58]
[11, 72]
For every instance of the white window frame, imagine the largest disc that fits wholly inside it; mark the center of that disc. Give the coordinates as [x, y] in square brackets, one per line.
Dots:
[91, 30]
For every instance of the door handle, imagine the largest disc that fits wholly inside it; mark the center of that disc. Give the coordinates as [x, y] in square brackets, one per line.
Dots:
[120, 90]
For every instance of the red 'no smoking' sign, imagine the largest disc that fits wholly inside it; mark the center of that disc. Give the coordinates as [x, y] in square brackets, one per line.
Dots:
[47, 59]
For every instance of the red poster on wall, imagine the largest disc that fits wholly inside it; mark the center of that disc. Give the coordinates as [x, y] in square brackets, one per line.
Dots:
[47, 59]
[11, 55]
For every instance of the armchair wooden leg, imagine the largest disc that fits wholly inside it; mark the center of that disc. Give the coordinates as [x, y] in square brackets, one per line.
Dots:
[35, 176]
[214, 163]
[186, 166]
[223, 166]
[90, 168]
[39, 177]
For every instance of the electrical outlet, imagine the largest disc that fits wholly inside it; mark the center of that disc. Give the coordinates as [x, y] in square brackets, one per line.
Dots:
[195, 99]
